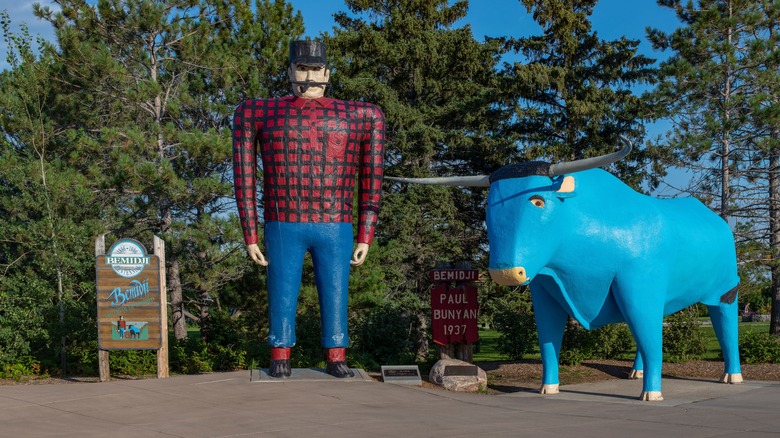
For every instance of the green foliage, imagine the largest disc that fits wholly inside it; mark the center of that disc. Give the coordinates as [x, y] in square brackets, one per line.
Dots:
[577, 344]
[574, 94]
[308, 351]
[26, 367]
[517, 330]
[189, 356]
[383, 336]
[683, 337]
[133, 362]
[759, 347]
[612, 341]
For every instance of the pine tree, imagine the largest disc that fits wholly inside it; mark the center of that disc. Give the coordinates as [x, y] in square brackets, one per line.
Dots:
[720, 88]
[158, 82]
[576, 91]
[445, 115]
[47, 219]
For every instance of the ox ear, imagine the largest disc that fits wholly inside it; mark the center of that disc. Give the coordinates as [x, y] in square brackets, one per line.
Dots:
[564, 186]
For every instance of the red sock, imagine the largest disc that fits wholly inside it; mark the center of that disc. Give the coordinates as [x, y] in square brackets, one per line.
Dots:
[337, 354]
[280, 353]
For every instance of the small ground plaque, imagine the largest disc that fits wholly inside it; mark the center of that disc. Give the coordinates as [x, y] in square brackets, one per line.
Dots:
[401, 374]
[460, 370]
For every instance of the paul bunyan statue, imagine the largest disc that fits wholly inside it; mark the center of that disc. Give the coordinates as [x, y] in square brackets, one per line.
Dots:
[313, 149]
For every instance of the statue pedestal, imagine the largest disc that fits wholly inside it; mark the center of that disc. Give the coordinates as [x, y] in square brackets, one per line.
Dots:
[307, 375]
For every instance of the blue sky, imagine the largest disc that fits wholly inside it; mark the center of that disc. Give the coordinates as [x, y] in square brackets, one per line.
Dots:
[611, 19]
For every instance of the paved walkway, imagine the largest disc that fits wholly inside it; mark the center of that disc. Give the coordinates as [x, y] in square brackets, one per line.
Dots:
[229, 405]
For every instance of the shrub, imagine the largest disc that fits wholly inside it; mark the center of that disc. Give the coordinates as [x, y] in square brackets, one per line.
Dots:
[133, 362]
[517, 331]
[612, 341]
[759, 347]
[308, 351]
[383, 335]
[577, 344]
[683, 337]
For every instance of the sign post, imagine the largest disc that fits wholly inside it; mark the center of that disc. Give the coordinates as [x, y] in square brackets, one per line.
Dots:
[454, 310]
[131, 301]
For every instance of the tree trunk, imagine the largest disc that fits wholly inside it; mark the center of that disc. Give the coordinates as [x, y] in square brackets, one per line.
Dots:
[176, 300]
[774, 234]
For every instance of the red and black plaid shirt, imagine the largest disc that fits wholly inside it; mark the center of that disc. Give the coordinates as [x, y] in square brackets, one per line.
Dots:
[312, 150]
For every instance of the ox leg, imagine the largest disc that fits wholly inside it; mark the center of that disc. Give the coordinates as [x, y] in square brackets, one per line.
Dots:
[550, 324]
[724, 321]
[645, 320]
[638, 370]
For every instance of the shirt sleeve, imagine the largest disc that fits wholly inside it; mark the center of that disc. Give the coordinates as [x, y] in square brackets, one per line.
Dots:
[371, 171]
[245, 169]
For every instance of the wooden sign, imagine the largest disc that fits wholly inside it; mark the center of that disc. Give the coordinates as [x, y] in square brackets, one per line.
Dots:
[454, 314]
[128, 298]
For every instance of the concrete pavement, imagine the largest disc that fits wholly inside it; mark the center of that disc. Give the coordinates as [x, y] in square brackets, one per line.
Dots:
[229, 405]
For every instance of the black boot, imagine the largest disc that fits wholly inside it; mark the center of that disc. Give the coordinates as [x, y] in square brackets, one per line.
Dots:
[280, 368]
[339, 369]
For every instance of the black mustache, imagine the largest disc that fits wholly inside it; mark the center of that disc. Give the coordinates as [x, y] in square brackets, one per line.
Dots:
[306, 84]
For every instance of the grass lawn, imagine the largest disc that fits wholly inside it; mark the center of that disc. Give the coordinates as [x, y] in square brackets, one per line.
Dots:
[489, 340]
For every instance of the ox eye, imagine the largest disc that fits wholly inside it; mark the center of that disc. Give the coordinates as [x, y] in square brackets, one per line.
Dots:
[537, 201]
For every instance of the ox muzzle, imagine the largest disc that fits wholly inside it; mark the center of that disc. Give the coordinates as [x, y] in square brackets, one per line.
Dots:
[509, 277]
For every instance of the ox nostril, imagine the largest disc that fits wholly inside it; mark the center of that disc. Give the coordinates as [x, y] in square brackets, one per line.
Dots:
[509, 277]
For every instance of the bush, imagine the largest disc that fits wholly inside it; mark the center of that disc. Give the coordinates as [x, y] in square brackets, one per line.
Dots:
[612, 341]
[27, 367]
[308, 351]
[133, 362]
[577, 344]
[759, 347]
[517, 331]
[383, 335]
[683, 337]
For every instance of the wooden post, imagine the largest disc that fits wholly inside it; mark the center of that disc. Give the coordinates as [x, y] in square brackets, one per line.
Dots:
[103, 358]
[162, 353]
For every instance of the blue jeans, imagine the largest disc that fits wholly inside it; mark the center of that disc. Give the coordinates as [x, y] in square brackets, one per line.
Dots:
[330, 246]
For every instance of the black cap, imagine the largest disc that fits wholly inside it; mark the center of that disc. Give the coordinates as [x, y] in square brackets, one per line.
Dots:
[308, 52]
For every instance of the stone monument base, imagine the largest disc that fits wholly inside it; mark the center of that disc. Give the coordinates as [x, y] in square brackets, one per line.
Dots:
[457, 375]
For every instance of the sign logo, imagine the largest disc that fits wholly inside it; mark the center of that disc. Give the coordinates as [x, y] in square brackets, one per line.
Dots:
[127, 258]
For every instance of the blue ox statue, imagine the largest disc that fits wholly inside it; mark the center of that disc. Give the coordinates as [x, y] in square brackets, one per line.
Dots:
[591, 247]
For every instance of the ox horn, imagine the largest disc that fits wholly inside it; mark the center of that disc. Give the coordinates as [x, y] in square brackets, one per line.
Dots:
[460, 181]
[591, 163]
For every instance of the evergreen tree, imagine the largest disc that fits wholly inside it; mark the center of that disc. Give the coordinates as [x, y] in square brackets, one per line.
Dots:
[721, 88]
[158, 82]
[446, 115]
[575, 91]
[47, 219]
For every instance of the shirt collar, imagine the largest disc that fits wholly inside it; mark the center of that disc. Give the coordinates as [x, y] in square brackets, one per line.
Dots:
[301, 101]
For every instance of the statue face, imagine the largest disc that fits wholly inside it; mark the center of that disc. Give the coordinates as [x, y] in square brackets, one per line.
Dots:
[301, 74]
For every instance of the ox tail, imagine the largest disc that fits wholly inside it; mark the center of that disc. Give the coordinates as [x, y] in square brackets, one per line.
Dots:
[730, 296]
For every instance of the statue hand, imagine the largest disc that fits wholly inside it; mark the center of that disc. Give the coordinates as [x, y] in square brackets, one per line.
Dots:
[256, 255]
[359, 256]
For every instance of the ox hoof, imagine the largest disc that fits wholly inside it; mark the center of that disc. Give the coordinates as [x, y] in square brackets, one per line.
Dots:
[549, 389]
[636, 374]
[651, 396]
[731, 378]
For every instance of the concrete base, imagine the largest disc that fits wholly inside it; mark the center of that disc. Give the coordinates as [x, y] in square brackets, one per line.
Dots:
[308, 375]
